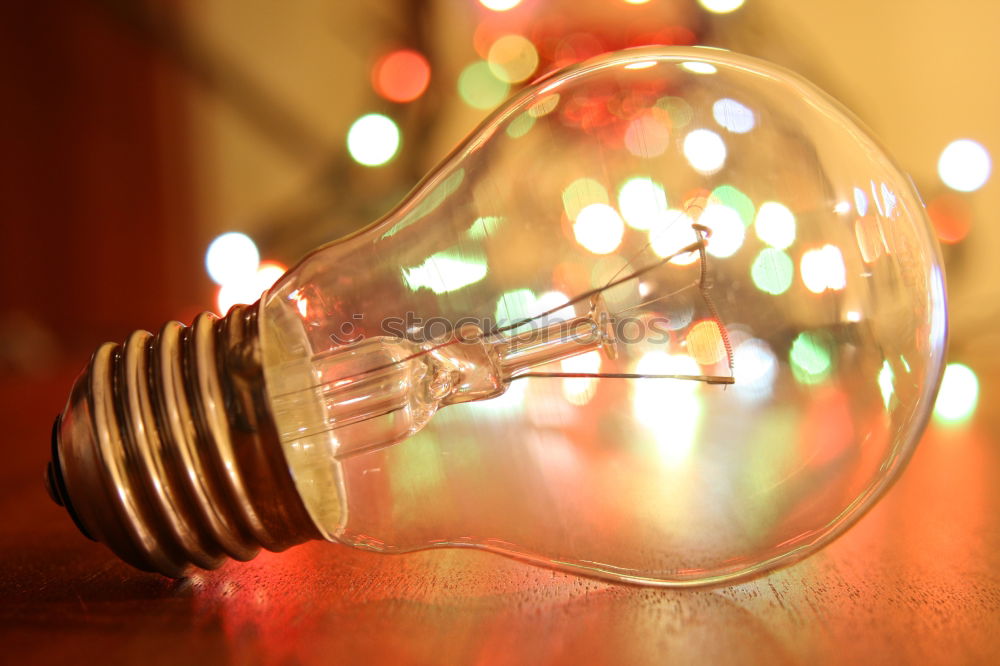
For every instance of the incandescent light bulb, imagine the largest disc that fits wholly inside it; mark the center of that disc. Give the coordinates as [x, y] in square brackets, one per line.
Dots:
[669, 316]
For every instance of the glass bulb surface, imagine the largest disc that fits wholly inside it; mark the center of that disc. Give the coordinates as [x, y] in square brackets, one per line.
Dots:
[672, 212]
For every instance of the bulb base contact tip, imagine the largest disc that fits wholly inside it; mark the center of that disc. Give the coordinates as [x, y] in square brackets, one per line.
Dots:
[167, 452]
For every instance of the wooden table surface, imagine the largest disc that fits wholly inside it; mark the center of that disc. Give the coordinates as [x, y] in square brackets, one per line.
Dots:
[916, 581]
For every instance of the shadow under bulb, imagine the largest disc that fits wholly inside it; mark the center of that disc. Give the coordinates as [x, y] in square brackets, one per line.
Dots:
[669, 316]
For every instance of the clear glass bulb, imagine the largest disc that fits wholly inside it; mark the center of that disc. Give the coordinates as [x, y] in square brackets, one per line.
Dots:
[669, 316]
[531, 353]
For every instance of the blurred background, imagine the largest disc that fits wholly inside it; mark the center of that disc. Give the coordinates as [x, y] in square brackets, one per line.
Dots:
[140, 135]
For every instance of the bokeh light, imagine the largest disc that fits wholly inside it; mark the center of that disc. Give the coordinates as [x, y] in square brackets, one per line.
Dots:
[958, 396]
[951, 216]
[480, 88]
[373, 139]
[721, 6]
[499, 5]
[810, 358]
[669, 408]
[599, 228]
[964, 165]
[735, 199]
[772, 271]
[705, 151]
[672, 233]
[581, 193]
[248, 289]
[512, 58]
[642, 202]
[401, 76]
[232, 257]
[824, 269]
[732, 115]
[754, 368]
[704, 342]
[727, 230]
[775, 225]
[648, 134]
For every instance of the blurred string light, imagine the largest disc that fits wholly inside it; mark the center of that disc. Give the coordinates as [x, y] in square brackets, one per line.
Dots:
[248, 290]
[704, 342]
[672, 233]
[401, 76]
[669, 409]
[232, 257]
[951, 216]
[732, 115]
[581, 193]
[705, 151]
[964, 165]
[721, 6]
[499, 5]
[373, 139]
[599, 228]
[648, 135]
[642, 202]
[824, 269]
[480, 88]
[810, 358]
[958, 396]
[580, 390]
[512, 58]
[775, 225]
[727, 230]
[772, 271]
[735, 199]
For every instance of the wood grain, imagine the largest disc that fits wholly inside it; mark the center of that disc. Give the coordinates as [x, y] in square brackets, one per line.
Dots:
[915, 581]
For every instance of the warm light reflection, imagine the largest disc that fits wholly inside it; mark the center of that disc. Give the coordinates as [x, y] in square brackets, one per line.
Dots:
[512, 58]
[479, 88]
[824, 269]
[732, 115]
[648, 135]
[705, 151]
[248, 290]
[484, 227]
[860, 201]
[581, 193]
[642, 202]
[704, 342]
[580, 390]
[669, 408]
[699, 67]
[373, 139]
[231, 257]
[599, 228]
[885, 380]
[958, 396]
[775, 225]
[445, 272]
[964, 165]
[499, 5]
[401, 76]
[755, 368]
[670, 234]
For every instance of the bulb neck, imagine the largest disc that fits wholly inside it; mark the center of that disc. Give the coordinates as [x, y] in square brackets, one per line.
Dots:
[167, 451]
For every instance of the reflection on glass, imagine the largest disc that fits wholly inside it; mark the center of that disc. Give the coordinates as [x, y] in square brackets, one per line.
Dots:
[517, 357]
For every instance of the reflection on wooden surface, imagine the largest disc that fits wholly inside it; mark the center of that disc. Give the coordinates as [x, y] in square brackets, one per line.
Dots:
[914, 582]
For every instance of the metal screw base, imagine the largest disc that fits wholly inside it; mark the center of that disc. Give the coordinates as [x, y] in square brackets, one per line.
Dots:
[167, 452]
